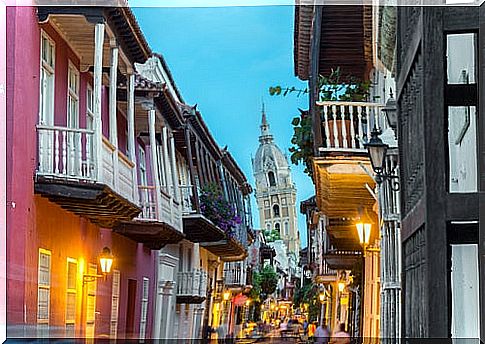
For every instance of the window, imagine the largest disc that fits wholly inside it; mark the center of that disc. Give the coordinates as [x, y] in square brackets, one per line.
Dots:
[276, 210]
[71, 297]
[72, 97]
[286, 229]
[465, 317]
[43, 293]
[266, 204]
[89, 108]
[283, 200]
[144, 307]
[47, 80]
[268, 226]
[91, 302]
[277, 228]
[461, 101]
[271, 179]
[285, 211]
[115, 300]
[46, 104]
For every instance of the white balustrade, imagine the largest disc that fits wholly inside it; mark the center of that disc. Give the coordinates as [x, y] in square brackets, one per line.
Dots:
[346, 126]
[69, 153]
[192, 283]
[66, 152]
[188, 206]
[148, 202]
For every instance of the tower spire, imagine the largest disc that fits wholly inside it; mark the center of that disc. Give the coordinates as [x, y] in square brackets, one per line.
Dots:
[265, 134]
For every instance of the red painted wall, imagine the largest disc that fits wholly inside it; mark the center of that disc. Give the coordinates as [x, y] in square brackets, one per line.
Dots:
[34, 222]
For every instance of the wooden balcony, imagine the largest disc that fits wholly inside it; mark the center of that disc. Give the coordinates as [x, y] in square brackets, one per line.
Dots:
[342, 170]
[192, 286]
[342, 260]
[346, 126]
[156, 225]
[197, 228]
[70, 175]
[228, 249]
[234, 277]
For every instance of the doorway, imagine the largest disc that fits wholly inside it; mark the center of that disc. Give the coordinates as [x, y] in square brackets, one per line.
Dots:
[130, 308]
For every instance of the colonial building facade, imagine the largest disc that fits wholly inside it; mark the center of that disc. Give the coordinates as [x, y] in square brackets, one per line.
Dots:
[107, 163]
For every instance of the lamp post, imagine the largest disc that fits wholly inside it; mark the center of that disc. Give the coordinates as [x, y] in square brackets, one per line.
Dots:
[364, 231]
[227, 309]
[389, 211]
[321, 297]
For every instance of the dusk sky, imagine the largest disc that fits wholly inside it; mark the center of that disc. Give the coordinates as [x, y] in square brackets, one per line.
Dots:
[225, 59]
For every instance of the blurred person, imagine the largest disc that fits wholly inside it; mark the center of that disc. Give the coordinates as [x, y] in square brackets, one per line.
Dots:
[340, 336]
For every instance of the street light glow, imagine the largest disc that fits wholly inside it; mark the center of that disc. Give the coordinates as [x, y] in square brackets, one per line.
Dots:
[363, 230]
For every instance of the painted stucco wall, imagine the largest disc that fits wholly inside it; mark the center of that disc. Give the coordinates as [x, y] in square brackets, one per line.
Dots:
[33, 221]
[23, 40]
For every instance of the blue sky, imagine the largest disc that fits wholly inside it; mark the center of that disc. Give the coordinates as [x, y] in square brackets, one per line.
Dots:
[225, 59]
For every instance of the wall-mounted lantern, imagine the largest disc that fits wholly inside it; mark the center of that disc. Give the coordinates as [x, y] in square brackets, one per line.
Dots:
[105, 263]
[377, 153]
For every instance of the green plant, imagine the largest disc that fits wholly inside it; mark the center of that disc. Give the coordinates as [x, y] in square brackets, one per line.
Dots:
[308, 294]
[266, 281]
[333, 87]
[271, 235]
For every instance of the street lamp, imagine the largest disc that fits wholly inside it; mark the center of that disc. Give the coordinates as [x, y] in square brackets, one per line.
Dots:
[105, 264]
[377, 152]
[363, 230]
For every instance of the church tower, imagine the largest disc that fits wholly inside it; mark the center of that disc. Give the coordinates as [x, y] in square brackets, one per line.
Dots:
[275, 191]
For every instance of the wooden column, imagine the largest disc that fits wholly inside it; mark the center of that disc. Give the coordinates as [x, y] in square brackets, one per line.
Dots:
[191, 168]
[166, 160]
[154, 160]
[113, 125]
[168, 169]
[173, 159]
[131, 132]
[98, 76]
[200, 164]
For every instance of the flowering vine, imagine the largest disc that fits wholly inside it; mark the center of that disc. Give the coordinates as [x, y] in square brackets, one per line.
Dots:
[218, 210]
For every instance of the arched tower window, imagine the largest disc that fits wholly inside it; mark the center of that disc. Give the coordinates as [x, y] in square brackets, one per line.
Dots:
[277, 227]
[286, 229]
[271, 178]
[276, 210]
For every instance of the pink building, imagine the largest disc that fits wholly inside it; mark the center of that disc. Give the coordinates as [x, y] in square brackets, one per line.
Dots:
[72, 176]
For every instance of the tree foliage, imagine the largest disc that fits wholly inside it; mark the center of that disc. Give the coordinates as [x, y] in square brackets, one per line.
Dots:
[264, 283]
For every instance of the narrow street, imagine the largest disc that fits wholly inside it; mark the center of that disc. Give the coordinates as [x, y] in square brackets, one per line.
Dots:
[307, 172]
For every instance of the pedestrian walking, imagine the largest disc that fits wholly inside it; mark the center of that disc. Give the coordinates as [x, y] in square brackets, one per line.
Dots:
[322, 334]
[340, 336]
[311, 329]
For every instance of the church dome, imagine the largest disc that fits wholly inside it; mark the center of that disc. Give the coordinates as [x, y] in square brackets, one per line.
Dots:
[269, 157]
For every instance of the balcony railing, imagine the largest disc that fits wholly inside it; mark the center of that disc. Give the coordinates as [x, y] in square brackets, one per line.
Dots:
[346, 126]
[148, 202]
[234, 276]
[66, 152]
[188, 199]
[191, 286]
